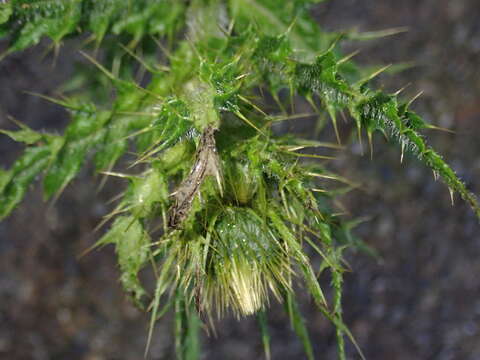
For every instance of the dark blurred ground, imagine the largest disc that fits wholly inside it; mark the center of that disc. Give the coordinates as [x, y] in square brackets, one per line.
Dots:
[421, 302]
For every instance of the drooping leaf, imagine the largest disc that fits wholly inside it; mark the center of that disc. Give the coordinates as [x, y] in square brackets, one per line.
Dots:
[262, 323]
[187, 327]
[298, 323]
[132, 244]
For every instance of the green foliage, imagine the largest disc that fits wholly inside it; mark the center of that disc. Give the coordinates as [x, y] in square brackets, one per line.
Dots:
[29, 20]
[132, 247]
[245, 211]
[16, 181]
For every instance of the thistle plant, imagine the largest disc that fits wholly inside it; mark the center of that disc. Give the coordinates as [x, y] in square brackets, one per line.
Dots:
[223, 208]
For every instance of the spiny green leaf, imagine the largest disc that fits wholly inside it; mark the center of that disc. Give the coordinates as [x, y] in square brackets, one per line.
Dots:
[82, 134]
[200, 100]
[166, 128]
[162, 284]
[187, 327]
[146, 192]
[298, 324]
[29, 20]
[236, 247]
[35, 19]
[132, 248]
[299, 255]
[23, 172]
[375, 111]
[114, 143]
[262, 323]
[382, 112]
[291, 18]
[322, 78]
[26, 136]
[100, 15]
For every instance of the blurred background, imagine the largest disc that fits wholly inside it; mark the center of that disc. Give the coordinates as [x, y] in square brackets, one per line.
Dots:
[419, 300]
